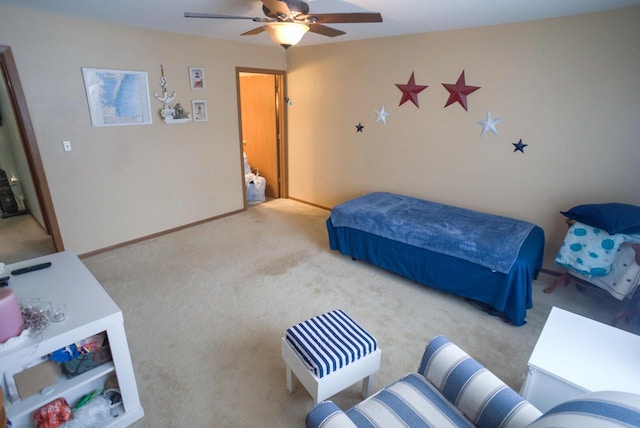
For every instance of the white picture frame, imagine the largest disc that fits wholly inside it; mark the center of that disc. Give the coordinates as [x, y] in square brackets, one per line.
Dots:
[196, 78]
[117, 97]
[199, 109]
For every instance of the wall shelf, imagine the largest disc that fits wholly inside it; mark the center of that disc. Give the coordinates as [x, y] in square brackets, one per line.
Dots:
[173, 121]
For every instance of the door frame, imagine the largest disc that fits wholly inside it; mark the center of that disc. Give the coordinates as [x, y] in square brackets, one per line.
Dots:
[281, 129]
[30, 145]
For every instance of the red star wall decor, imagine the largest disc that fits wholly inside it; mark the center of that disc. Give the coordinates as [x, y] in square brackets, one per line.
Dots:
[458, 92]
[410, 91]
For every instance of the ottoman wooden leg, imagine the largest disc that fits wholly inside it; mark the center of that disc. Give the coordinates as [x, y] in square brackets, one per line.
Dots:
[291, 380]
[366, 385]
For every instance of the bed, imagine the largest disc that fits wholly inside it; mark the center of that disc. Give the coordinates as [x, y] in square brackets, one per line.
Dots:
[459, 251]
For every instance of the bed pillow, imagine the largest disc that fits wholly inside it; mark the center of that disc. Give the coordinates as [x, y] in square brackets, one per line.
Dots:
[612, 217]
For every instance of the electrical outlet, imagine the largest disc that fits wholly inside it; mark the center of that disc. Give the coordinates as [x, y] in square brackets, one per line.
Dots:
[179, 203]
[66, 145]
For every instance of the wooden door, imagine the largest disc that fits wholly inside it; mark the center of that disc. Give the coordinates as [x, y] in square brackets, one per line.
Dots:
[260, 127]
[9, 73]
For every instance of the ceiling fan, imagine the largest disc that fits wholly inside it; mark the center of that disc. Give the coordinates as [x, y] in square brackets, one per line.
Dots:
[287, 21]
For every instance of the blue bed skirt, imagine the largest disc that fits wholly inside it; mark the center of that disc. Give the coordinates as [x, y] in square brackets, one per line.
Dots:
[508, 293]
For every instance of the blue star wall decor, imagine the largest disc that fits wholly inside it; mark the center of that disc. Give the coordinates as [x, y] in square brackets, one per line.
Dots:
[519, 146]
[359, 127]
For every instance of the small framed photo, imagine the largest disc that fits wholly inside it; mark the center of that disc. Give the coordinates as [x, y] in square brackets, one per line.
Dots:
[199, 110]
[196, 78]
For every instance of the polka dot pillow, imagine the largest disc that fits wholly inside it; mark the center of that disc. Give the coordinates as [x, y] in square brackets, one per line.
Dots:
[589, 250]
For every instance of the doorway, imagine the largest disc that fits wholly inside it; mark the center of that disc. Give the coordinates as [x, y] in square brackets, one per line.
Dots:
[20, 158]
[262, 126]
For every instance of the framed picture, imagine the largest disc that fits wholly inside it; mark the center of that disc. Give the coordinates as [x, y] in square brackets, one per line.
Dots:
[196, 77]
[199, 110]
[117, 97]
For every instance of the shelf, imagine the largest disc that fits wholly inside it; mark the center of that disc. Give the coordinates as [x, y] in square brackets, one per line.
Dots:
[71, 389]
[173, 121]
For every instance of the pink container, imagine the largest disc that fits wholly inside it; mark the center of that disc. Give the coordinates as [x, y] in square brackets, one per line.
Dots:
[11, 320]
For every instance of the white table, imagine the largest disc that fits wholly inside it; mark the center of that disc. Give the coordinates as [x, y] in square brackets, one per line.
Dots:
[575, 355]
[90, 310]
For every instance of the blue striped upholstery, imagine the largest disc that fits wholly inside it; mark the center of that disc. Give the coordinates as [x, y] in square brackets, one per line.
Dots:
[454, 390]
[483, 398]
[327, 415]
[450, 390]
[411, 401]
[329, 342]
[602, 409]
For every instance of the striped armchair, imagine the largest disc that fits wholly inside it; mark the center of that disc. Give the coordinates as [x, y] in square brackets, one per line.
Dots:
[451, 389]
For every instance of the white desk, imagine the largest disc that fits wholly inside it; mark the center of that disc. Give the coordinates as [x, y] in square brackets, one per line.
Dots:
[575, 355]
[90, 310]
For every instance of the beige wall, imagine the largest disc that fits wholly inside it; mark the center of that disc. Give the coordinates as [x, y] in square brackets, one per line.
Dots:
[569, 88]
[122, 183]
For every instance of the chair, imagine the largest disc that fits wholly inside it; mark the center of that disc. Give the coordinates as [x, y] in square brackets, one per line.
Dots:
[622, 281]
[451, 389]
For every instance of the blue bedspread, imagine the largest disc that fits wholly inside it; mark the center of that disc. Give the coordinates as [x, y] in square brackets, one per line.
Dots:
[485, 239]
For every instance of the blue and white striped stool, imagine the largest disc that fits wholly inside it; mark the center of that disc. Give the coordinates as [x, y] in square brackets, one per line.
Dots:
[329, 353]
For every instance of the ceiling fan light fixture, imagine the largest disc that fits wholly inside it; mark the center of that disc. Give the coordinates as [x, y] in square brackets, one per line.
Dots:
[286, 34]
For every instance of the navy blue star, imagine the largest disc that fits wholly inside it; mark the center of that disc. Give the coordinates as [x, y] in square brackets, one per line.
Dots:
[359, 127]
[519, 146]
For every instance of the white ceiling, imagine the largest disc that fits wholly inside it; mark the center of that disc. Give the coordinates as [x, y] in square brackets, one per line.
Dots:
[400, 16]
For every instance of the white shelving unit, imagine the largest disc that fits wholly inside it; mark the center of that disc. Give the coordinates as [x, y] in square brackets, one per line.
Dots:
[90, 311]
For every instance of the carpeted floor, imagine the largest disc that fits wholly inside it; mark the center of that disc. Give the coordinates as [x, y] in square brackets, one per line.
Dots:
[205, 308]
[23, 238]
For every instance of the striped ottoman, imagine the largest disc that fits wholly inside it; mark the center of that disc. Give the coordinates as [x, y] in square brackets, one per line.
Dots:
[329, 353]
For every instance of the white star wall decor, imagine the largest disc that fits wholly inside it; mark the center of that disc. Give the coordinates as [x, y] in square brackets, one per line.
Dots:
[382, 115]
[489, 124]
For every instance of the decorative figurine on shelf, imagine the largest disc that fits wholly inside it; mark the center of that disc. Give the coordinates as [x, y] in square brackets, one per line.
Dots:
[178, 111]
[167, 112]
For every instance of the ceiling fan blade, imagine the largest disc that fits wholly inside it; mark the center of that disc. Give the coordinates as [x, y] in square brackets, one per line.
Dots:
[278, 8]
[325, 31]
[253, 32]
[216, 16]
[343, 18]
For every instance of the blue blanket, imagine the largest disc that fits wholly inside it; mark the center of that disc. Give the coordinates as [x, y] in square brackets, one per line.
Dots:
[485, 239]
